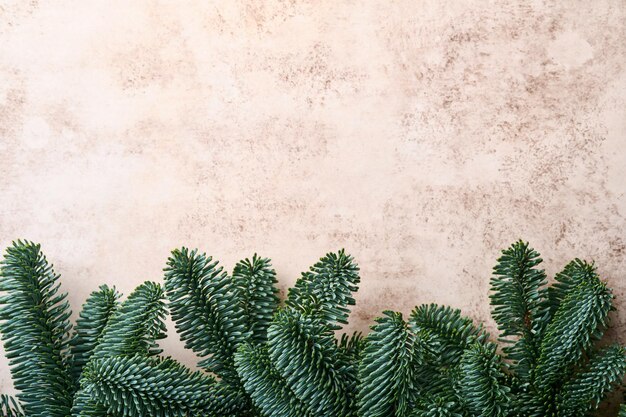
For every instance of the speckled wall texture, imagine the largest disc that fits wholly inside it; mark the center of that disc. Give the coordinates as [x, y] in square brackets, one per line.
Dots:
[422, 136]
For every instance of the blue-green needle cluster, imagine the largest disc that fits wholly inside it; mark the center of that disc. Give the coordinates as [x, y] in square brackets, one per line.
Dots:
[258, 358]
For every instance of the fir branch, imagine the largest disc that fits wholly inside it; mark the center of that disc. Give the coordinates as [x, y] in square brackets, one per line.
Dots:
[90, 324]
[326, 290]
[517, 299]
[435, 406]
[447, 331]
[583, 310]
[481, 382]
[573, 274]
[227, 399]
[387, 382]
[352, 346]
[256, 281]
[304, 351]
[205, 305]
[584, 392]
[268, 389]
[132, 329]
[9, 407]
[141, 386]
[136, 326]
[35, 329]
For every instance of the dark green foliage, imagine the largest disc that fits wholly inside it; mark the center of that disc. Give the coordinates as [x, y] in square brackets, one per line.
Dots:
[387, 380]
[304, 370]
[326, 290]
[552, 331]
[568, 336]
[588, 387]
[206, 305]
[516, 299]
[304, 351]
[35, 329]
[416, 369]
[215, 314]
[9, 407]
[445, 336]
[132, 330]
[482, 381]
[136, 326]
[448, 332]
[227, 399]
[45, 362]
[573, 274]
[622, 410]
[141, 386]
[90, 324]
[116, 346]
[288, 362]
[436, 407]
[266, 386]
[352, 346]
[256, 281]
[551, 368]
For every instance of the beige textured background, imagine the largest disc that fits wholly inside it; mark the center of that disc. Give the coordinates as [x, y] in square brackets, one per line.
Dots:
[422, 137]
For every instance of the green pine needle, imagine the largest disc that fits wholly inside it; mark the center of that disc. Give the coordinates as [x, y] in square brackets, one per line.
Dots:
[9, 407]
[304, 351]
[90, 324]
[446, 330]
[517, 301]
[256, 281]
[205, 304]
[584, 392]
[482, 382]
[136, 326]
[583, 310]
[327, 289]
[140, 386]
[268, 389]
[387, 383]
[433, 406]
[34, 321]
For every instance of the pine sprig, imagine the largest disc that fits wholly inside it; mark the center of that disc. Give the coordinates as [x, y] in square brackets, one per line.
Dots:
[352, 346]
[227, 399]
[586, 389]
[139, 386]
[430, 406]
[583, 310]
[205, 305]
[9, 407]
[35, 328]
[256, 281]
[573, 274]
[133, 329]
[90, 324]
[287, 362]
[268, 389]
[482, 382]
[517, 301]
[326, 290]
[448, 332]
[387, 383]
[304, 351]
[136, 326]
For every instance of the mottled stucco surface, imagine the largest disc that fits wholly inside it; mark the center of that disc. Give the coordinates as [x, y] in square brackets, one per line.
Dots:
[421, 136]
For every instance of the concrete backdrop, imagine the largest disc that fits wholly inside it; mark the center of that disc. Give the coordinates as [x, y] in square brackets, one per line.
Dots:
[420, 136]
